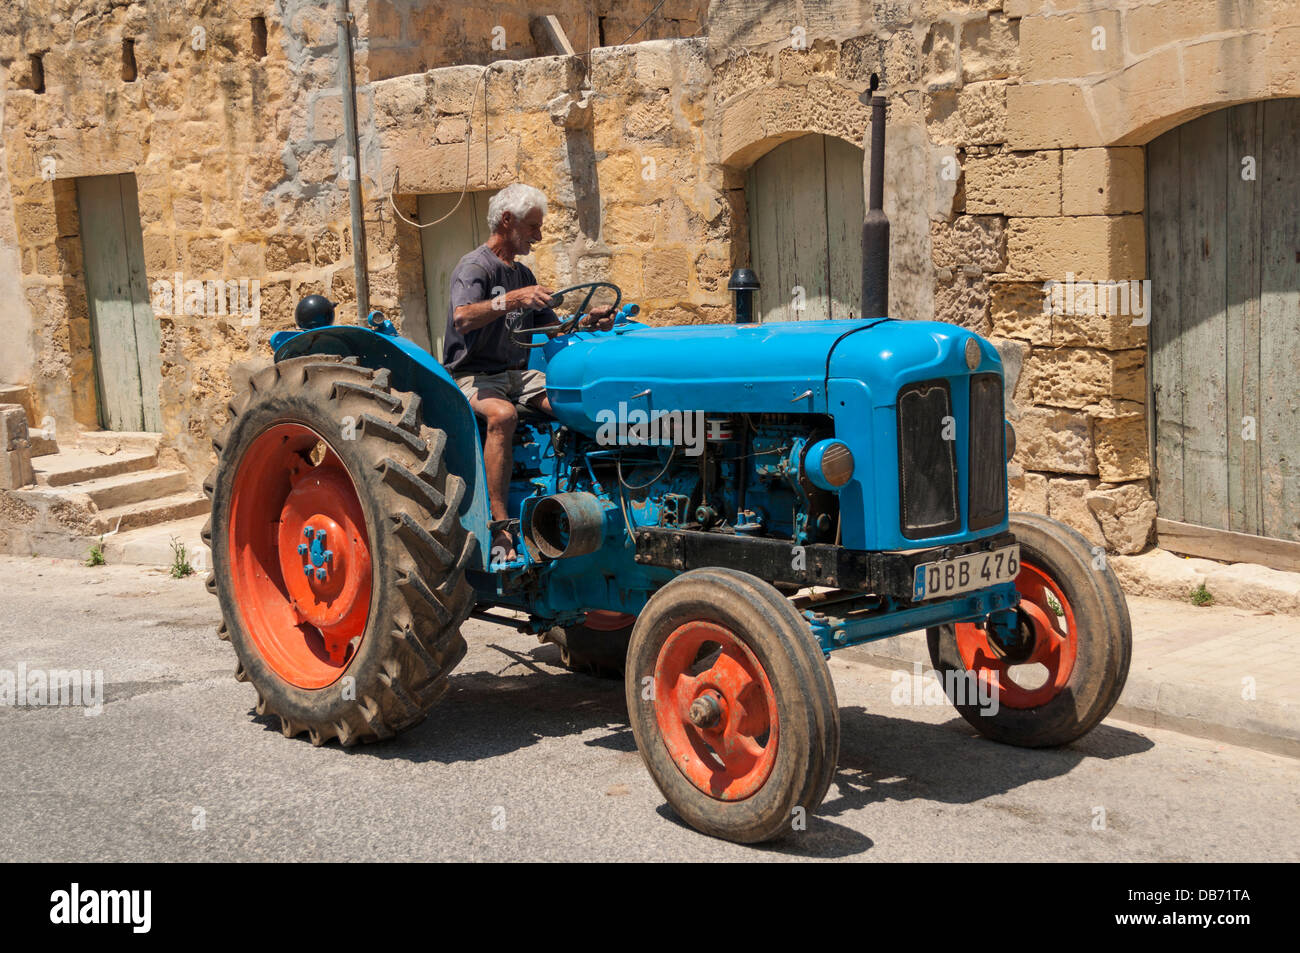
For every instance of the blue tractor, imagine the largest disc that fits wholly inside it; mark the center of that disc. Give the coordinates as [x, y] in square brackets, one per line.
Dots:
[713, 510]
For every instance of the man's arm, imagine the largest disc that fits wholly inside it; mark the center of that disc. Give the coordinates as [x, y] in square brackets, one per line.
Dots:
[477, 314]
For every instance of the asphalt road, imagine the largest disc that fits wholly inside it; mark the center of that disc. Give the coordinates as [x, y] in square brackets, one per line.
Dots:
[523, 760]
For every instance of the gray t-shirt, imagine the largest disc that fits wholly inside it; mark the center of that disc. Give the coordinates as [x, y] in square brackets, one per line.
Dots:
[481, 275]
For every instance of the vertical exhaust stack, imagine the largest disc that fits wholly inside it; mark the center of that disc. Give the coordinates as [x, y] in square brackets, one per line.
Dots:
[743, 284]
[875, 229]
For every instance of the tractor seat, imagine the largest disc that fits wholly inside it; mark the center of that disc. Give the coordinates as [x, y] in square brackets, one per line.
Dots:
[531, 415]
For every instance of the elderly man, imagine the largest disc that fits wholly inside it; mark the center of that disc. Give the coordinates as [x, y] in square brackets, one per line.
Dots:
[492, 295]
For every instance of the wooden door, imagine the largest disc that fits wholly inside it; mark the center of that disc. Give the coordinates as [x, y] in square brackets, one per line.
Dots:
[445, 244]
[806, 207]
[124, 332]
[1223, 194]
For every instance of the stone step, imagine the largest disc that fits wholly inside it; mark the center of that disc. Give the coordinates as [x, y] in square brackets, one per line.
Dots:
[115, 441]
[133, 487]
[131, 516]
[152, 545]
[42, 441]
[18, 394]
[81, 465]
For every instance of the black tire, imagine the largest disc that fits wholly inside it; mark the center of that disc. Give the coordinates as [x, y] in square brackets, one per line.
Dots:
[419, 549]
[793, 662]
[598, 652]
[1103, 649]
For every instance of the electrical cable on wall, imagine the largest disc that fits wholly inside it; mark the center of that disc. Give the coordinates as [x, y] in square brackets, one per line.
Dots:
[469, 138]
[643, 22]
[469, 130]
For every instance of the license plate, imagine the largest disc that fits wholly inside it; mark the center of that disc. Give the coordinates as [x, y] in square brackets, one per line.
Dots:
[950, 577]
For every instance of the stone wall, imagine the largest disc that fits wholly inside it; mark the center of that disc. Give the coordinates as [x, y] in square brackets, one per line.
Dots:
[632, 199]
[1013, 160]
[415, 36]
[236, 155]
[17, 334]
[1095, 82]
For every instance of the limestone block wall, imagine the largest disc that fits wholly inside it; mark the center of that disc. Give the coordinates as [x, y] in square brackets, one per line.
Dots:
[414, 36]
[236, 146]
[236, 152]
[17, 337]
[1097, 81]
[619, 154]
[1014, 159]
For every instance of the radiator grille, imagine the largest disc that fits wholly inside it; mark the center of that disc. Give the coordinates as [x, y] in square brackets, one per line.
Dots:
[987, 452]
[927, 465]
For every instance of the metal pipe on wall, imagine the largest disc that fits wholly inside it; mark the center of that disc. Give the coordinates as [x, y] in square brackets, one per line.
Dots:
[875, 230]
[348, 86]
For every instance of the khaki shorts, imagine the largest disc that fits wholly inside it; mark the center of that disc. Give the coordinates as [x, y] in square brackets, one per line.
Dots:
[518, 387]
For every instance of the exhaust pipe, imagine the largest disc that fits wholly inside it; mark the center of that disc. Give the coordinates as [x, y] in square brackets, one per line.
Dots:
[875, 229]
[564, 525]
[743, 284]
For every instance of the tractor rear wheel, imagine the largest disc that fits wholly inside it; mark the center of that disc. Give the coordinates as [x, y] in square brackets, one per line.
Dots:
[1072, 666]
[338, 554]
[732, 705]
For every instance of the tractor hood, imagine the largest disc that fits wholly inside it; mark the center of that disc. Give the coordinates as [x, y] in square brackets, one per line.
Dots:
[781, 367]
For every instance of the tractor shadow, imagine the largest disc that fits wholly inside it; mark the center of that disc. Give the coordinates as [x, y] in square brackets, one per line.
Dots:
[884, 758]
[521, 698]
[507, 698]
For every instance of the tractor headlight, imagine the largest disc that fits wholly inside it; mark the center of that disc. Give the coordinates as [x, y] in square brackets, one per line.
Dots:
[828, 464]
[972, 353]
[1010, 440]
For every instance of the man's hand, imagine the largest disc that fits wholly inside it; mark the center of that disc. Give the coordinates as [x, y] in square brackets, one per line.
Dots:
[600, 319]
[471, 317]
[533, 298]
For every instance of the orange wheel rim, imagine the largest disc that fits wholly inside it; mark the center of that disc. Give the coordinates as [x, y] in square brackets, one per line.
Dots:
[716, 710]
[602, 620]
[1056, 643]
[300, 568]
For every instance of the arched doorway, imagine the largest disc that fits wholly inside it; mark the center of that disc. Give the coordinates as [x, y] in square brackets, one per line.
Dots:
[1223, 249]
[805, 208]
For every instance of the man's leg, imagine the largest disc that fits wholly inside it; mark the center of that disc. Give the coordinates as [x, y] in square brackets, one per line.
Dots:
[532, 390]
[498, 460]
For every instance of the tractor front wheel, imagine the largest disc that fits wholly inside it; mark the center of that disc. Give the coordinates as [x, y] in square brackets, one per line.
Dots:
[732, 705]
[338, 554]
[1070, 666]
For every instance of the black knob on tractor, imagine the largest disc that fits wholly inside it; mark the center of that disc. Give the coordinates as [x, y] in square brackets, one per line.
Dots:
[314, 311]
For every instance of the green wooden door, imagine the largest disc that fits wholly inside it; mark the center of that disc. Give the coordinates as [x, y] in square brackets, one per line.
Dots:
[123, 328]
[445, 244]
[806, 208]
[1224, 259]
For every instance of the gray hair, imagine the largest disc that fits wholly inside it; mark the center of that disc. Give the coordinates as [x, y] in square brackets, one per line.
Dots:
[517, 199]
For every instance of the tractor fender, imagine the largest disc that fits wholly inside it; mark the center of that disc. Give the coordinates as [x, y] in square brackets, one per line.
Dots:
[442, 403]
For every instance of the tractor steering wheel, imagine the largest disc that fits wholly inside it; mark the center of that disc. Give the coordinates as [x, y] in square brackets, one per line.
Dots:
[567, 325]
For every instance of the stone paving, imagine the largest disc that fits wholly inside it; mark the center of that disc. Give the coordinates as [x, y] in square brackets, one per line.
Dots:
[1217, 646]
